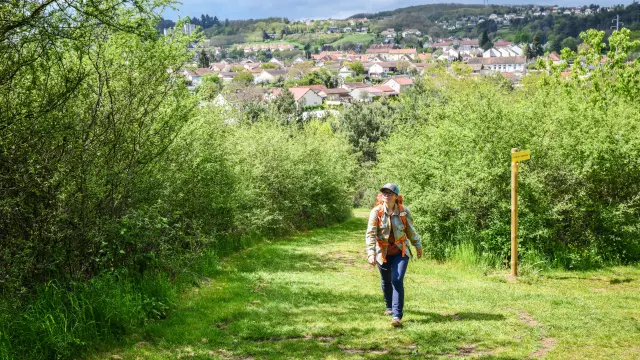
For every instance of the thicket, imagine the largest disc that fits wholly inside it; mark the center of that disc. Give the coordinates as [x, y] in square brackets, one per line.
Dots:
[579, 195]
[115, 186]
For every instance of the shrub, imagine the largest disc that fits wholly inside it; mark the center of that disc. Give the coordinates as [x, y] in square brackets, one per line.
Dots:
[578, 193]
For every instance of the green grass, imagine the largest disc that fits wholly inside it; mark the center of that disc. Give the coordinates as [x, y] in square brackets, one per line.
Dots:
[354, 38]
[313, 296]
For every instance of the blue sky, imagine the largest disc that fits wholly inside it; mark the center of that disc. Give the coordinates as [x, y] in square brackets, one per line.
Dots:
[318, 9]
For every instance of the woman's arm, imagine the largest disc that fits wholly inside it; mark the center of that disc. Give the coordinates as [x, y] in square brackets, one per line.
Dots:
[372, 233]
[411, 231]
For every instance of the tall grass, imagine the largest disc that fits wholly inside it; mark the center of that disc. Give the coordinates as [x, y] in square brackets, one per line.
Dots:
[62, 321]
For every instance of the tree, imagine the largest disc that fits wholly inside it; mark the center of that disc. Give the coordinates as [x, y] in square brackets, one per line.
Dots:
[299, 70]
[357, 67]
[527, 52]
[269, 66]
[403, 66]
[210, 87]
[484, 41]
[536, 46]
[319, 77]
[85, 115]
[570, 43]
[243, 78]
[203, 59]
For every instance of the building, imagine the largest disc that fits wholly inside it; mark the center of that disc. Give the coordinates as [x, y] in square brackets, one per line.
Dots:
[399, 84]
[305, 96]
[270, 76]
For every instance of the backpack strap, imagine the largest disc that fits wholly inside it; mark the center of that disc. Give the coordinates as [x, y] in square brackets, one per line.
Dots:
[402, 240]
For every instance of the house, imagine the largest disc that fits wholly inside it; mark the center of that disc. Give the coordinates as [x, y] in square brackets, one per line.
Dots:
[315, 88]
[504, 64]
[389, 33]
[399, 84]
[227, 76]
[305, 96]
[402, 54]
[501, 44]
[475, 64]
[511, 50]
[299, 59]
[270, 76]
[351, 86]
[194, 75]
[238, 98]
[221, 66]
[468, 45]
[277, 62]
[251, 65]
[347, 30]
[336, 96]
[441, 45]
[411, 32]
[371, 92]
[554, 57]
[381, 69]
[345, 72]
[272, 93]
[332, 29]
[425, 57]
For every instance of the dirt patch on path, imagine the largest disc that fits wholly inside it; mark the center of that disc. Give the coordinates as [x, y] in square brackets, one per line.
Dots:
[546, 343]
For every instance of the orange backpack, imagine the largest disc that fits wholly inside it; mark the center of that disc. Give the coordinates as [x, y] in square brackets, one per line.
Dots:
[402, 240]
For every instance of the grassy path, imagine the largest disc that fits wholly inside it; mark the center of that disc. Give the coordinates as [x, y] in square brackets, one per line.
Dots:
[313, 297]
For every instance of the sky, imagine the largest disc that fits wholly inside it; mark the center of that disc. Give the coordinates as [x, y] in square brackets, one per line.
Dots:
[319, 9]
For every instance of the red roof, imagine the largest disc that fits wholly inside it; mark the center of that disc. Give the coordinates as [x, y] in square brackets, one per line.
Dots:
[442, 44]
[298, 92]
[377, 51]
[401, 81]
[469, 42]
[313, 87]
[403, 51]
[502, 43]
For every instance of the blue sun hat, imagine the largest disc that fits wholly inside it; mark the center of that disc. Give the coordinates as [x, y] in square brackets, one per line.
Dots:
[392, 187]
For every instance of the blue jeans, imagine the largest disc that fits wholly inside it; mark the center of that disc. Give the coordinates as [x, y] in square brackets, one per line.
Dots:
[392, 276]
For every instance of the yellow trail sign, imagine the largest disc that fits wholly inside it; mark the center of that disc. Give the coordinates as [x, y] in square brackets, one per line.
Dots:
[520, 156]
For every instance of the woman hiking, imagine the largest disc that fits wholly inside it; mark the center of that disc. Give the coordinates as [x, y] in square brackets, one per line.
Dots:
[390, 226]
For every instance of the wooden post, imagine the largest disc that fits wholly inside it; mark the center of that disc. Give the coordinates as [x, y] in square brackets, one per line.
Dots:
[514, 216]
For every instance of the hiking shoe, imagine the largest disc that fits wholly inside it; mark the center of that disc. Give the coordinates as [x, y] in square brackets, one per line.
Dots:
[388, 312]
[395, 322]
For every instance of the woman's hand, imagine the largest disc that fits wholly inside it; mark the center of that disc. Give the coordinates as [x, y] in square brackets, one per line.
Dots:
[372, 259]
[419, 252]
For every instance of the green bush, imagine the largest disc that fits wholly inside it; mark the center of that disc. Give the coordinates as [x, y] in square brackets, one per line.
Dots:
[578, 195]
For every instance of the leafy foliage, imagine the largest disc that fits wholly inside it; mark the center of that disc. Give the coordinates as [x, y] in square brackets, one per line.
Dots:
[578, 194]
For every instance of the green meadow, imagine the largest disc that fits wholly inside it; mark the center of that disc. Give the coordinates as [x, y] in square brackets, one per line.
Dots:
[313, 296]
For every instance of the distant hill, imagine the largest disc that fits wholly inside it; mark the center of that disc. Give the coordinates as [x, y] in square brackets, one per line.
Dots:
[435, 12]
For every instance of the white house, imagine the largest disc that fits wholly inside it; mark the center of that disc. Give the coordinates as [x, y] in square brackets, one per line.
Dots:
[399, 84]
[345, 72]
[369, 93]
[270, 76]
[305, 96]
[504, 64]
[195, 75]
[402, 54]
[411, 32]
